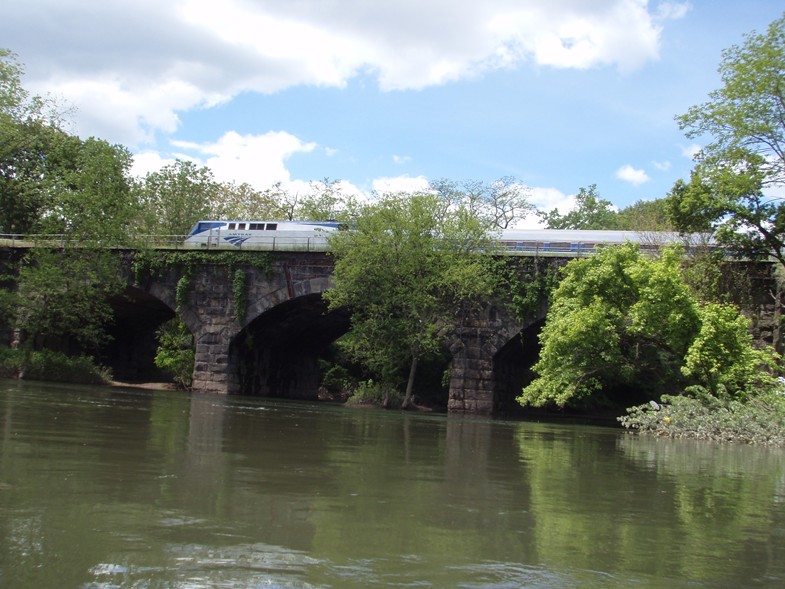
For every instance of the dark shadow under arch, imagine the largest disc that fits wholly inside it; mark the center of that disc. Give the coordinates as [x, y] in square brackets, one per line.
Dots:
[131, 351]
[512, 367]
[277, 354]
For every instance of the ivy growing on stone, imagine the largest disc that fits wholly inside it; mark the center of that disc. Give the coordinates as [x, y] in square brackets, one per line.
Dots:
[239, 294]
[156, 263]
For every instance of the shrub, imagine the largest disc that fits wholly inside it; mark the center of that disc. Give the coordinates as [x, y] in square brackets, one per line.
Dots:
[761, 420]
[175, 352]
[52, 366]
[373, 393]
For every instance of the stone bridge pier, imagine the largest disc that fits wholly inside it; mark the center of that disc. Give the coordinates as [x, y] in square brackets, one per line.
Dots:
[477, 383]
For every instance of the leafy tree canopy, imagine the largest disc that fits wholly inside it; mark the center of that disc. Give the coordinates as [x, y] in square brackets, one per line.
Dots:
[620, 320]
[732, 187]
[591, 212]
[498, 204]
[407, 271]
[645, 215]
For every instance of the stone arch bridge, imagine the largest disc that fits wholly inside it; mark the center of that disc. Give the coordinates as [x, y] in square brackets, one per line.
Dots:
[274, 349]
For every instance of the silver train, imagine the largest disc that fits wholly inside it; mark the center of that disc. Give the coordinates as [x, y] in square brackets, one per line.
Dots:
[270, 235]
[312, 236]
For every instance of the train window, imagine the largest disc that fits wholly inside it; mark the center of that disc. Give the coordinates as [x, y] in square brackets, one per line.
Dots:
[271, 226]
[241, 226]
[256, 226]
[232, 226]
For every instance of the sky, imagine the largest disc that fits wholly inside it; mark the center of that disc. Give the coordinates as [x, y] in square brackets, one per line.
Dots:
[385, 95]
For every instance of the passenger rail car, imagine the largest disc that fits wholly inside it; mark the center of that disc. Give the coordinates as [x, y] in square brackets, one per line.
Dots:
[273, 235]
[577, 241]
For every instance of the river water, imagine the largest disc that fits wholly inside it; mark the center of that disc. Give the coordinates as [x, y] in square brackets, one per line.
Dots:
[105, 488]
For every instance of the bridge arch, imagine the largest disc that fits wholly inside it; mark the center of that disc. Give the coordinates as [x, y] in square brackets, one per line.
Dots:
[132, 347]
[277, 353]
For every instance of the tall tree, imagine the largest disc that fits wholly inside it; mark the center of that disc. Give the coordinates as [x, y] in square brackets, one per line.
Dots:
[645, 215]
[327, 201]
[591, 212]
[499, 204]
[54, 182]
[30, 130]
[177, 196]
[406, 272]
[733, 188]
[245, 202]
[620, 320]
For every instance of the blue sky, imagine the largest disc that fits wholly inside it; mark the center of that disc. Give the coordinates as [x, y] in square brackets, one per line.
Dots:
[385, 95]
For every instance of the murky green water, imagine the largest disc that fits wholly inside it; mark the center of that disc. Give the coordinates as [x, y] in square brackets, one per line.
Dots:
[108, 488]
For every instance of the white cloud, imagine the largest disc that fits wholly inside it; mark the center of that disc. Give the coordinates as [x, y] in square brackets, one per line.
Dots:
[400, 184]
[259, 160]
[632, 175]
[673, 10]
[131, 68]
[690, 151]
[662, 166]
[148, 162]
[401, 159]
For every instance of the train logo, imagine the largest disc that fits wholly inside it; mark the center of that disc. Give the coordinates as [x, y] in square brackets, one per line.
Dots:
[236, 240]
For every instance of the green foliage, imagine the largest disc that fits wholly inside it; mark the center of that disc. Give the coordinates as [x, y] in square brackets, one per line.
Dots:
[722, 357]
[52, 366]
[177, 196]
[157, 262]
[64, 297]
[377, 394]
[336, 379]
[407, 271]
[591, 212]
[727, 191]
[623, 321]
[644, 215]
[182, 288]
[175, 353]
[239, 294]
[244, 202]
[761, 420]
[326, 201]
[528, 283]
[52, 181]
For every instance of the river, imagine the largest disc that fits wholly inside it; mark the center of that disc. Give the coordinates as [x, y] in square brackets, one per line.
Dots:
[105, 488]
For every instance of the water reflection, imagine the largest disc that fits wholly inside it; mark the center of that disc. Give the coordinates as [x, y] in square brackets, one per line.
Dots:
[114, 488]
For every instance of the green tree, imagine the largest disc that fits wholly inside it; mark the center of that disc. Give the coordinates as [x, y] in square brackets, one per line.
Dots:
[327, 201]
[245, 202]
[63, 298]
[620, 320]
[731, 187]
[51, 181]
[407, 271]
[591, 212]
[177, 196]
[175, 353]
[90, 198]
[645, 215]
[499, 204]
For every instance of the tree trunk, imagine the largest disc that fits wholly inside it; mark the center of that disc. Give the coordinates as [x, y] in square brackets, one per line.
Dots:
[407, 400]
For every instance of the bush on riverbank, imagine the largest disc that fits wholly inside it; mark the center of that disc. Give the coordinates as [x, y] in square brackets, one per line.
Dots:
[760, 420]
[375, 393]
[52, 366]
